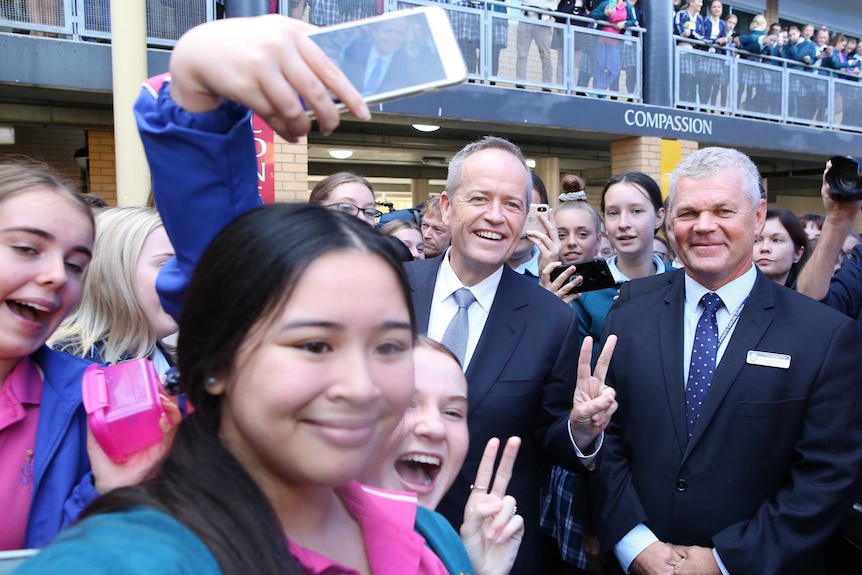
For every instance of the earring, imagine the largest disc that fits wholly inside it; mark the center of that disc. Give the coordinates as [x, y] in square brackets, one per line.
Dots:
[211, 382]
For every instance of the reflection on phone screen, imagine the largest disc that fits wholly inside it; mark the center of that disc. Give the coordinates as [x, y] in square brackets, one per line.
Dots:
[384, 57]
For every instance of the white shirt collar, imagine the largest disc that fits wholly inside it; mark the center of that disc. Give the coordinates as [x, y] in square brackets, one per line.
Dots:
[448, 283]
[621, 277]
[531, 265]
[732, 293]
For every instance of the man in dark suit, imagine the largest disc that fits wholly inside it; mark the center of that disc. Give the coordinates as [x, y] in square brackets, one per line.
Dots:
[391, 58]
[521, 352]
[753, 472]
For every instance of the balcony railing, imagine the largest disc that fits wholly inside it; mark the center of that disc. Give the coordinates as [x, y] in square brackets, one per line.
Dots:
[506, 45]
[738, 83]
[90, 20]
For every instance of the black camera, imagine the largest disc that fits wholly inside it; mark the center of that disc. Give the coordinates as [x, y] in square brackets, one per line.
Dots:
[845, 178]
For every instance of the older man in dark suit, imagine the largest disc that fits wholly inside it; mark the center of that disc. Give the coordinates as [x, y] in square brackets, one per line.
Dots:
[518, 342]
[738, 443]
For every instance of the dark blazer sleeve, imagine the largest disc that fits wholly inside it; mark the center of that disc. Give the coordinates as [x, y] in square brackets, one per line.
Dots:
[823, 478]
[557, 397]
[845, 289]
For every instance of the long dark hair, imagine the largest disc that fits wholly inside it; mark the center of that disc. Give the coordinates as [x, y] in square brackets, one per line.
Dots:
[245, 275]
[797, 236]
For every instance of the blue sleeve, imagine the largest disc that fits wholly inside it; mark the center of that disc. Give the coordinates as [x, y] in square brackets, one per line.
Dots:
[82, 495]
[598, 12]
[204, 174]
[631, 17]
[699, 31]
[678, 23]
[845, 289]
[749, 43]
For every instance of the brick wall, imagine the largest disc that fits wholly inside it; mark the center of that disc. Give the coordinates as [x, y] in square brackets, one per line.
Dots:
[103, 166]
[291, 170]
[637, 155]
[653, 156]
[55, 146]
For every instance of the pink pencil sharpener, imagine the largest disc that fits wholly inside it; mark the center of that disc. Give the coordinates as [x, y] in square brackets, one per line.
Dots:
[123, 406]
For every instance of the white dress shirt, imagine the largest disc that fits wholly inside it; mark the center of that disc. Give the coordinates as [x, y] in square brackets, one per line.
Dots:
[443, 306]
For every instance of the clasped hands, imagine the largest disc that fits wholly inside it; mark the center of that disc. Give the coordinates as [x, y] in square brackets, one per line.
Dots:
[666, 559]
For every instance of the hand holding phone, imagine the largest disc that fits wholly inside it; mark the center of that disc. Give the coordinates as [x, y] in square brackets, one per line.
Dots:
[219, 60]
[534, 222]
[595, 273]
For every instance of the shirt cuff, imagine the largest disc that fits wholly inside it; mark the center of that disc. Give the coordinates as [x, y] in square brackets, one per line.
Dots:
[632, 544]
[721, 566]
[588, 461]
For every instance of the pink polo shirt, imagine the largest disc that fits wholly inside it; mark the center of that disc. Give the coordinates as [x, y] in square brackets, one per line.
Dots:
[20, 396]
[392, 544]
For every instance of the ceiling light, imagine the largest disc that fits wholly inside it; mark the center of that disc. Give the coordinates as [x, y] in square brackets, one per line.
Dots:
[426, 127]
[7, 135]
[340, 154]
[531, 163]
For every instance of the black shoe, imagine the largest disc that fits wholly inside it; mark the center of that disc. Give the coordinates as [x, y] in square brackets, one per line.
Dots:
[546, 90]
[520, 86]
[492, 83]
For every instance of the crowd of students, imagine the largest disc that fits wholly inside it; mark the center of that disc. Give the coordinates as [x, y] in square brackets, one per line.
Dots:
[706, 80]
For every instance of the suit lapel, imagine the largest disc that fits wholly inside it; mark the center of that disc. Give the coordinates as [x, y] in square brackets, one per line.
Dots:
[670, 350]
[423, 277]
[752, 325]
[501, 336]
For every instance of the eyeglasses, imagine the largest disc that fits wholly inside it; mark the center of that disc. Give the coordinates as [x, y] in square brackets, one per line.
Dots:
[352, 210]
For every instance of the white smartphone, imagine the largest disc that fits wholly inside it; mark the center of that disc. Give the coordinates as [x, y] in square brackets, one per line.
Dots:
[395, 54]
[533, 221]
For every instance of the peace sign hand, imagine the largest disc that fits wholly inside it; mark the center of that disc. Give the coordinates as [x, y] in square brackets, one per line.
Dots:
[594, 402]
[492, 530]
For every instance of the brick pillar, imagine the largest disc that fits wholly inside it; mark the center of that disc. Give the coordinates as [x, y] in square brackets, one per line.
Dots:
[653, 156]
[103, 167]
[549, 170]
[771, 13]
[420, 189]
[291, 170]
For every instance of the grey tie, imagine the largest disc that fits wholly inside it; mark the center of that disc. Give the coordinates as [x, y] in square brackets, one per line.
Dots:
[458, 329]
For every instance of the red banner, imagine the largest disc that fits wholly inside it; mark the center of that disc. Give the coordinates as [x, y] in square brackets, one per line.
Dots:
[265, 150]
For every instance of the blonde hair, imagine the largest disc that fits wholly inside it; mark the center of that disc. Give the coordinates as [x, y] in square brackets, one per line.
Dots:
[110, 316]
[432, 206]
[19, 174]
[758, 23]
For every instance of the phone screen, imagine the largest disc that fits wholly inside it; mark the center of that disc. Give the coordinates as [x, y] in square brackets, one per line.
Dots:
[396, 54]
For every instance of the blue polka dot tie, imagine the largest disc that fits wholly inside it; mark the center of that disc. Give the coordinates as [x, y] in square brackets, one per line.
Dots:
[703, 354]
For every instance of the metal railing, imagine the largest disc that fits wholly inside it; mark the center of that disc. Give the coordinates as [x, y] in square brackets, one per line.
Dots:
[90, 20]
[739, 83]
[528, 47]
[525, 47]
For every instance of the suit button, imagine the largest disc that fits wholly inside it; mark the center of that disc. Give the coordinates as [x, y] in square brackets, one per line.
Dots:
[681, 485]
